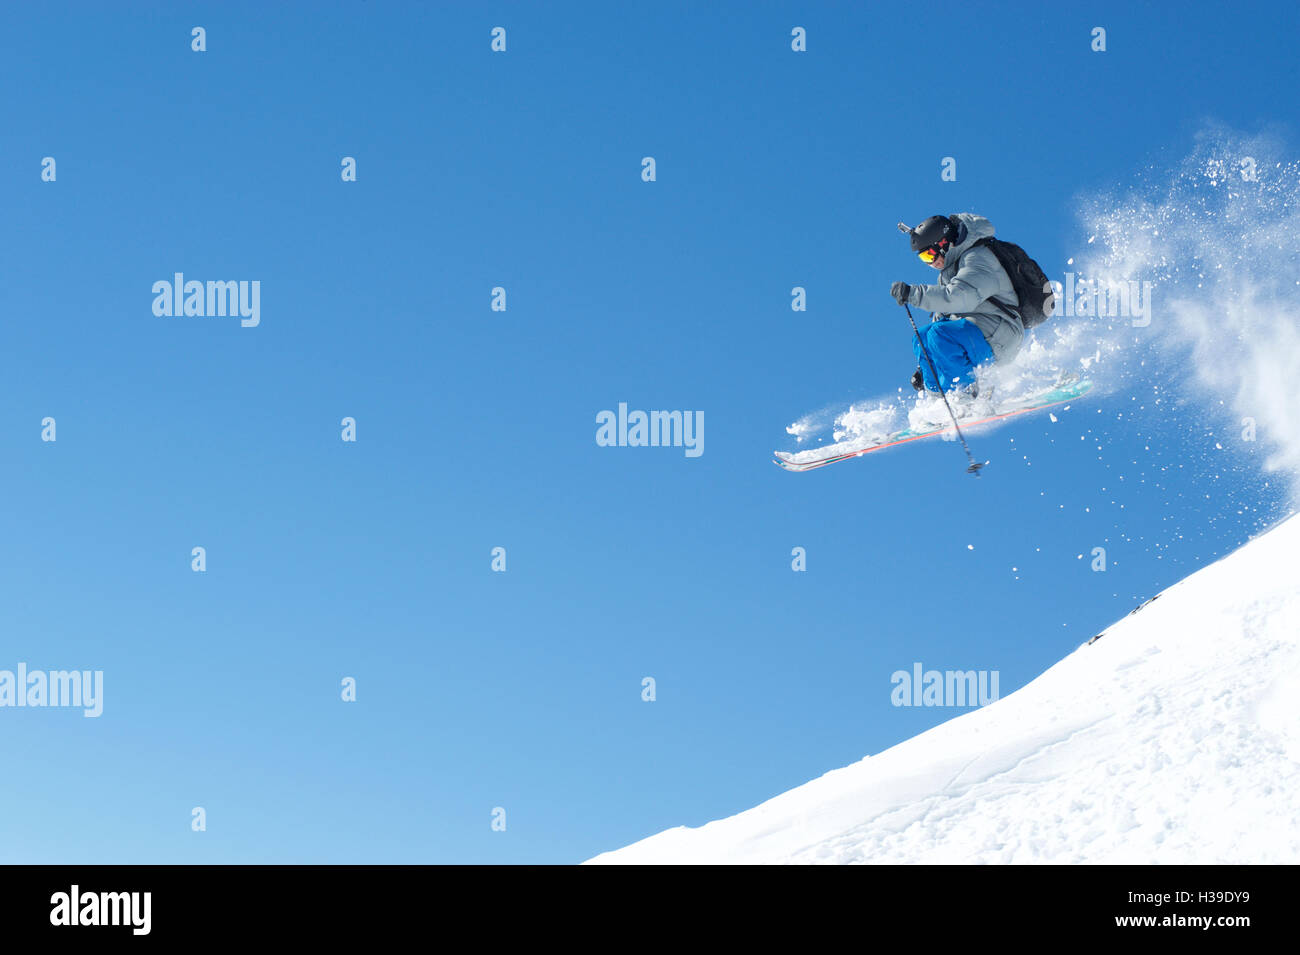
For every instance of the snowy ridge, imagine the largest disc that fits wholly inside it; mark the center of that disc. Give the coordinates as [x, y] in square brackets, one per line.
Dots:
[1175, 738]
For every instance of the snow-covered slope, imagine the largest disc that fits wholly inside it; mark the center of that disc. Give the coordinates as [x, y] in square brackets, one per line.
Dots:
[1175, 738]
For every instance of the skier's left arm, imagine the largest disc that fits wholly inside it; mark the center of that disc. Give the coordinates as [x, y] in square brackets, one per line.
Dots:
[974, 282]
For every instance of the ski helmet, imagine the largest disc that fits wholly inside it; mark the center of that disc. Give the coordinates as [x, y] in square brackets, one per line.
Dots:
[934, 232]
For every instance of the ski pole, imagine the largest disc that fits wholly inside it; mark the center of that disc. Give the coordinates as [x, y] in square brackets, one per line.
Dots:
[974, 467]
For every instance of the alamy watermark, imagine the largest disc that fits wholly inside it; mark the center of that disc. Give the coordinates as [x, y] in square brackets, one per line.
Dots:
[208, 300]
[922, 687]
[651, 429]
[128, 909]
[80, 688]
[1103, 298]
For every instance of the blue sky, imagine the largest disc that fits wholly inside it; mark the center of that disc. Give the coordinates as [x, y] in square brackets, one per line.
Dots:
[476, 428]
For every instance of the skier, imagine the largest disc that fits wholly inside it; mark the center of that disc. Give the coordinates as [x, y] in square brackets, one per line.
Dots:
[974, 303]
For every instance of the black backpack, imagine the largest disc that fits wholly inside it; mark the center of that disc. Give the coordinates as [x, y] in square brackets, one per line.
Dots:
[1037, 298]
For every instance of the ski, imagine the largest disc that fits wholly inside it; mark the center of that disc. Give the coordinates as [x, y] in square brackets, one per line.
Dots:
[1058, 394]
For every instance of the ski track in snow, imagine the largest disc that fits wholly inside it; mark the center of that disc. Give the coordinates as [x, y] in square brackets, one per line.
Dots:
[1172, 739]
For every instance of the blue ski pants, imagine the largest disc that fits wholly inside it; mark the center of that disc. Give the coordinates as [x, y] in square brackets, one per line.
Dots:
[957, 346]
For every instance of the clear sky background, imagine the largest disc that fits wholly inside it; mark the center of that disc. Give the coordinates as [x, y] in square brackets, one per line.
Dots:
[476, 428]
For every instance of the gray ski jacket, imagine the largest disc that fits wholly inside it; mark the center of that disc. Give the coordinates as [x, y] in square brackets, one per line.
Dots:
[970, 278]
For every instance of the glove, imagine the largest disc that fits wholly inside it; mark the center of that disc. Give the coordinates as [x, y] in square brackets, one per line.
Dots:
[918, 380]
[900, 291]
